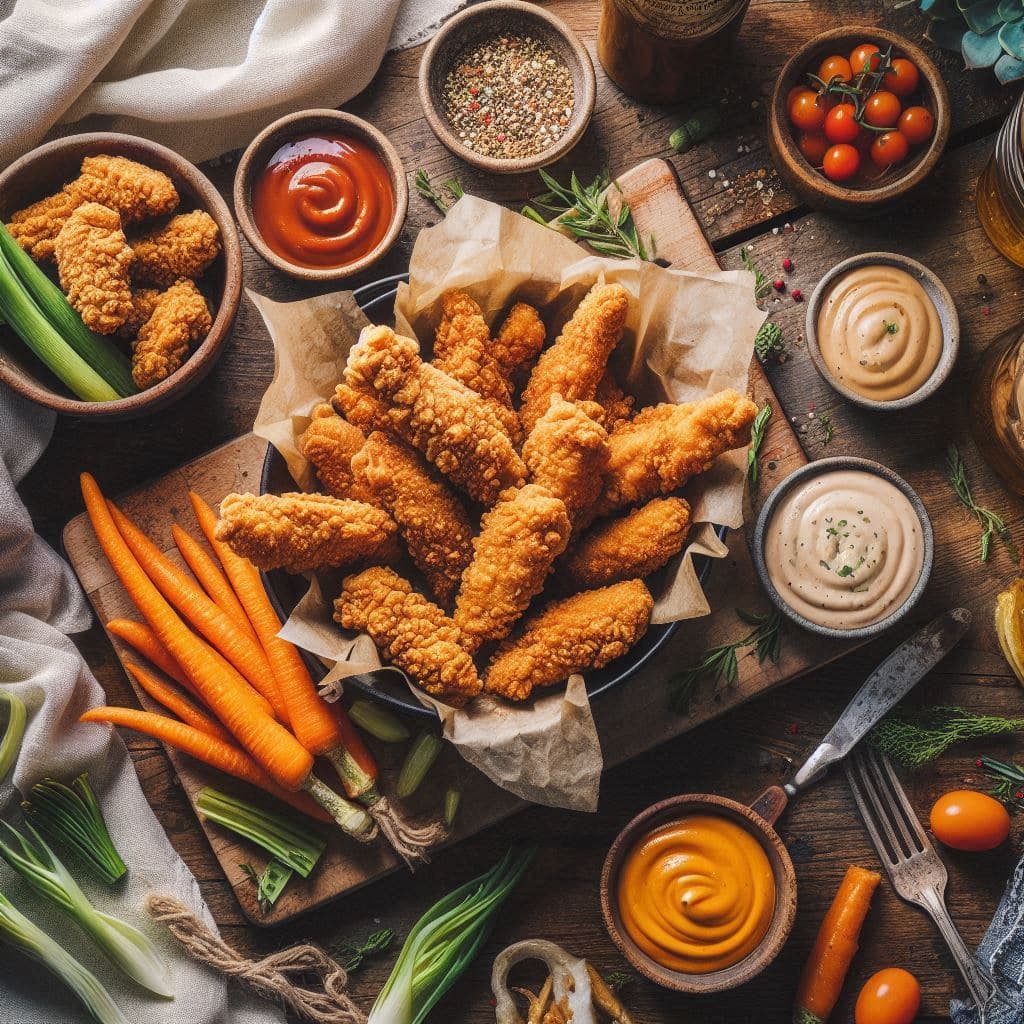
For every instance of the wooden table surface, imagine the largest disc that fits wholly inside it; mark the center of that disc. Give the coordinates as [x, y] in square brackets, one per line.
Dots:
[749, 748]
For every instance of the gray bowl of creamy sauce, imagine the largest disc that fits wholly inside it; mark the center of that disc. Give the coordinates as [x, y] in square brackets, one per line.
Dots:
[882, 330]
[844, 547]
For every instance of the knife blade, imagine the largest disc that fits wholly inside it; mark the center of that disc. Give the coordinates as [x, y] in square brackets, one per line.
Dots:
[883, 690]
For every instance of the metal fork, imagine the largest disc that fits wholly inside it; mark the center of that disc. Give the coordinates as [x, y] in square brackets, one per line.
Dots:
[910, 860]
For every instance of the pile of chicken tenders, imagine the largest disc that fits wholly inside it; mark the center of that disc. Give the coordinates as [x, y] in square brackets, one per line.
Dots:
[530, 497]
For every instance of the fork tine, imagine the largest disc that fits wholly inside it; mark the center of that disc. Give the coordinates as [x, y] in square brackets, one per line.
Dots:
[890, 801]
[901, 800]
[887, 850]
[879, 810]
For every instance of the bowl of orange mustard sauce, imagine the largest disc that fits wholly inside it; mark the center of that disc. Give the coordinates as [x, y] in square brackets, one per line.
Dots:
[699, 893]
[321, 195]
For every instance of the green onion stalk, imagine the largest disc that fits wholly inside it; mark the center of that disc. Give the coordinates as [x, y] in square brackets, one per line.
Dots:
[19, 932]
[444, 942]
[13, 733]
[125, 946]
[99, 352]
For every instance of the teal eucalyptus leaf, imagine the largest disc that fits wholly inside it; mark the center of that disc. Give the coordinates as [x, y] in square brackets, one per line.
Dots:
[981, 51]
[1011, 10]
[1008, 69]
[1011, 38]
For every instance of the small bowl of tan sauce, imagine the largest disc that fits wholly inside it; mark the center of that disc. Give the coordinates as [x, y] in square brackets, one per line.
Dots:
[882, 330]
[844, 547]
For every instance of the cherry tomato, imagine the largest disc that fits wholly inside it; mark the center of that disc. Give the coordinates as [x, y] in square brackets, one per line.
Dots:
[813, 146]
[864, 54]
[903, 78]
[968, 820]
[889, 148]
[791, 95]
[917, 124]
[891, 996]
[841, 123]
[807, 111]
[841, 163]
[882, 109]
[835, 67]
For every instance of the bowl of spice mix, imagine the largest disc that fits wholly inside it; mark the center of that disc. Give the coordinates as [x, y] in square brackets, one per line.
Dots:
[507, 86]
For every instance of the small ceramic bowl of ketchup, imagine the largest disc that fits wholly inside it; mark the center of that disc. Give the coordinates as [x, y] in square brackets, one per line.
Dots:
[321, 194]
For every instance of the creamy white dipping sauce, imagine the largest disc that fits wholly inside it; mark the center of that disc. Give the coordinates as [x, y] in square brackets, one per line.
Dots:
[844, 549]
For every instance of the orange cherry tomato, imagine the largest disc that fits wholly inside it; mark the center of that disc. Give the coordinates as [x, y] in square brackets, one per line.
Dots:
[917, 124]
[892, 996]
[841, 123]
[841, 163]
[865, 54]
[889, 148]
[813, 146]
[968, 820]
[835, 67]
[903, 78]
[807, 111]
[882, 109]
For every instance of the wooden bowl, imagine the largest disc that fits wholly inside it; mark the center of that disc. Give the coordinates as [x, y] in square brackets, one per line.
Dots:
[785, 892]
[303, 122]
[809, 184]
[486, 19]
[46, 170]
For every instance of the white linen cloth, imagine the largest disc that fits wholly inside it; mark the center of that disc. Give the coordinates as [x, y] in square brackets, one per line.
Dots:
[200, 76]
[40, 602]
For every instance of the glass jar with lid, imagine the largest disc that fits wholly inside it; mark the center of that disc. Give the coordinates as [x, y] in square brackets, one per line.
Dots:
[1000, 189]
[997, 407]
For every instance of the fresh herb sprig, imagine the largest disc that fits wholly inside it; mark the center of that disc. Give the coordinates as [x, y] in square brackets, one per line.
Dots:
[721, 663]
[352, 954]
[757, 434]
[762, 286]
[1008, 779]
[583, 211]
[865, 83]
[992, 524]
[449, 194]
[618, 980]
[915, 739]
[768, 341]
[828, 428]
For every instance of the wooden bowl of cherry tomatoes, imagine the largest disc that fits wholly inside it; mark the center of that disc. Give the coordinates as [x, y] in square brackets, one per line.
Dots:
[859, 117]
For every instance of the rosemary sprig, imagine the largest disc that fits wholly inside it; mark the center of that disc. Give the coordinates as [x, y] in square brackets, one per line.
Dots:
[757, 433]
[425, 187]
[768, 341]
[583, 211]
[351, 955]
[721, 663]
[992, 524]
[762, 286]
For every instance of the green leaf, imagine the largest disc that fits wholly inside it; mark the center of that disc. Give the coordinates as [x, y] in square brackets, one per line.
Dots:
[947, 34]
[1011, 38]
[1008, 69]
[983, 16]
[1011, 10]
[980, 51]
[941, 8]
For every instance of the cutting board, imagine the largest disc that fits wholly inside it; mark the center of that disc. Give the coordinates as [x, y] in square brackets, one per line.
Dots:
[631, 719]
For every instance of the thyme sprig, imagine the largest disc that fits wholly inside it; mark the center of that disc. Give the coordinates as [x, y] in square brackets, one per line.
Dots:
[451, 191]
[583, 211]
[351, 955]
[757, 434]
[762, 286]
[992, 524]
[721, 663]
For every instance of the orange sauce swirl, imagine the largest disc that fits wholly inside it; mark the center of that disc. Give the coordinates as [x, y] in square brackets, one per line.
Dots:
[323, 201]
[697, 895]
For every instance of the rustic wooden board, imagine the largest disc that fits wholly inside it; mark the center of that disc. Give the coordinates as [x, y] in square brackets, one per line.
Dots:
[637, 710]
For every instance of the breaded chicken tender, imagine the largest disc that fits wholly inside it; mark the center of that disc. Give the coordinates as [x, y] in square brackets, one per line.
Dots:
[180, 318]
[518, 343]
[574, 365]
[587, 630]
[567, 453]
[431, 517]
[329, 442]
[411, 632]
[362, 410]
[519, 540]
[94, 262]
[132, 189]
[616, 405]
[184, 246]
[300, 532]
[632, 546]
[143, 303]
[665, 445]
[450, 424]
[462, 350]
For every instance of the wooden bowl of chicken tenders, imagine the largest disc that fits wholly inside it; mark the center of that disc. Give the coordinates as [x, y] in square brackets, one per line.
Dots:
[147, 254]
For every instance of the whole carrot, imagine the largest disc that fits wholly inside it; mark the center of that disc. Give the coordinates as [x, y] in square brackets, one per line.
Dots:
[833, 950]
[140, 637]
[177, 704]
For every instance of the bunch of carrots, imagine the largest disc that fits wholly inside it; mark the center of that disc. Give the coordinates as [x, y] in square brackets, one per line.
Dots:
[247, 704]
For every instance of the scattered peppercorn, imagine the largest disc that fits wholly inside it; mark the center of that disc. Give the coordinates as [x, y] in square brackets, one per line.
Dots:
[787, 265]
[508, 96]
[779, 285]
[978, 763]
[798, 296]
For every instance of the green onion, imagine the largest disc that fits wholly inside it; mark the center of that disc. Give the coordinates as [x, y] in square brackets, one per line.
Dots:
[420, 759]
[452, 799]
[281, 837]
[21, 933]
[26, 320]
[126, 947]
[10, 739]
[444, 941]
[71, 817]
[99, 352]
[378, 722]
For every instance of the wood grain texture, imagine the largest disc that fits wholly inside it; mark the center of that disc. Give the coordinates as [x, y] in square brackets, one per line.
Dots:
[755, 745]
